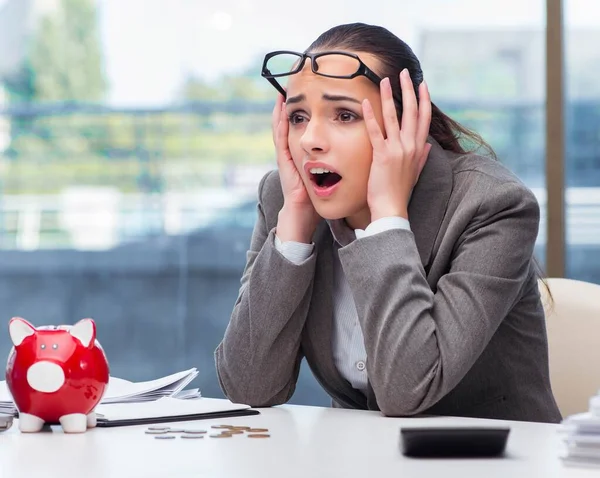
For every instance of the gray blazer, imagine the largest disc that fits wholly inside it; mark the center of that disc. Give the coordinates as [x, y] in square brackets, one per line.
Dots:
[450, 312]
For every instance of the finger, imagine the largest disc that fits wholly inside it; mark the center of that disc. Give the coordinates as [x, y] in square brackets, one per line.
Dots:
[390, 116]
[410, 110]
[375, 135]
[424, 121]
[276, 116]
[282, 135]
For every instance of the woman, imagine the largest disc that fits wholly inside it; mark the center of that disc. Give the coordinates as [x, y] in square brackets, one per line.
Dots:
[400, 265]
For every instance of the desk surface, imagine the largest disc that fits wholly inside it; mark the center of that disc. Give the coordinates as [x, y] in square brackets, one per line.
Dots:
[305, 442]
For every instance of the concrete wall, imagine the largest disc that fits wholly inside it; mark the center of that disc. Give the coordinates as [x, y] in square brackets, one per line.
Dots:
[160, 306]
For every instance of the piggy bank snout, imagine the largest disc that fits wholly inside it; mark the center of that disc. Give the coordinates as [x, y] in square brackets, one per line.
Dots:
[45, 376]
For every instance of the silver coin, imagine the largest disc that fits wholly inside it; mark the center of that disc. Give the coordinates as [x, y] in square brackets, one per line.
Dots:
[155, 432]
[175, 430]
[164, 437]
[191, 436]
[194, 431]
[158, 428]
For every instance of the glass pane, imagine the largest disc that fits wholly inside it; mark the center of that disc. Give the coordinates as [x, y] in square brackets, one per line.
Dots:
[582, 124]
[337, 65]
[282, 63]
[133, 139]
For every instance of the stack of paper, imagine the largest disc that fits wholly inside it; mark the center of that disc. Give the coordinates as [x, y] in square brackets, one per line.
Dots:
[124, 391]
[582, 436]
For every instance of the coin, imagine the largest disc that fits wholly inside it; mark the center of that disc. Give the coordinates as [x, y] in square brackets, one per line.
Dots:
[235, 432]
[259, 435]
[164, 437]
[194, 431]
[245, 429]
[155, 432]
[191, 436]
[258, 430]
[221, 435]
[158, 428]
[221, 426]
[175, 430]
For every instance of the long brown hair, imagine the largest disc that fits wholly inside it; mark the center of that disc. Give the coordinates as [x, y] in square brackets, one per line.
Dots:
[395, 55]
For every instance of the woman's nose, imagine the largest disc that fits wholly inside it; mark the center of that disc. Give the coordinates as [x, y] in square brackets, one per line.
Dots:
[314, 137]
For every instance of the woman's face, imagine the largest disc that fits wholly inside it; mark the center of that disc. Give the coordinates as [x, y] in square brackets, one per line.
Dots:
[327, 132]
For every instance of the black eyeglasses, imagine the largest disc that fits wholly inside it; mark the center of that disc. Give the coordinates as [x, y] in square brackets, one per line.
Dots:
[332, 64]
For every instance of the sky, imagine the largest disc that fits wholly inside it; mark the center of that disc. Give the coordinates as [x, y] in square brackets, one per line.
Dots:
[150, 46]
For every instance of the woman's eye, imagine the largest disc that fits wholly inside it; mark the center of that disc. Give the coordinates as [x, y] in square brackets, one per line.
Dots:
[346, 116]
[296, 118]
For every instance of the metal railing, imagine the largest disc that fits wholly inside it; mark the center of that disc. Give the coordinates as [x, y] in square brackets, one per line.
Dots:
[87, 176]
[100, 221]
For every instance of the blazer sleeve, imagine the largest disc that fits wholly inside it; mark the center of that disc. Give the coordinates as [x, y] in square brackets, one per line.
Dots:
[420, 344]
[258, 359]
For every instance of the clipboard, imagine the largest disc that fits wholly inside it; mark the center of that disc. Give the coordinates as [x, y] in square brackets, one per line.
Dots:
[169, 409]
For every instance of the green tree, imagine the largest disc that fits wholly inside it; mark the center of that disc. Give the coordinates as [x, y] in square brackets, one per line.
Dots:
[63, 64]
[66, 55]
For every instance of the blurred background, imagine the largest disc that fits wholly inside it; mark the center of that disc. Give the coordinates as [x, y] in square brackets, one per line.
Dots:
[133, 135]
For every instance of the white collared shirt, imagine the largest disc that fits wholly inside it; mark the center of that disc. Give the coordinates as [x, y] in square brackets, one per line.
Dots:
[348, 345]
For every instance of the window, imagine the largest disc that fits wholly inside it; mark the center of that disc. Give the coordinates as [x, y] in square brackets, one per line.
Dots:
[582, 135]
[133, 136]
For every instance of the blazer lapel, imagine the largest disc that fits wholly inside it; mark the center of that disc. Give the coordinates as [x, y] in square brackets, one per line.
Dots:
[319, 325]
[429, 201]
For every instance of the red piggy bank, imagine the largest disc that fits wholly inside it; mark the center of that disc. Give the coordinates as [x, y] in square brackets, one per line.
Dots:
[56, 374]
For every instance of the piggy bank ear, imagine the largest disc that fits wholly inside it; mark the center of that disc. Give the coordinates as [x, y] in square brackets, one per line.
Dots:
[19, 329]
[84, 331]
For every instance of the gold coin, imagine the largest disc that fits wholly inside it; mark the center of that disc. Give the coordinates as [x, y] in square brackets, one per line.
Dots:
[194, 431]
[258, 430]
[259, 435]
[191, 436]
[245, 429]
[234, 432]
[221, 426]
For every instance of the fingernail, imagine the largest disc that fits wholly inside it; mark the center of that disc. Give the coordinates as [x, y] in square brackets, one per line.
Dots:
[385, 82]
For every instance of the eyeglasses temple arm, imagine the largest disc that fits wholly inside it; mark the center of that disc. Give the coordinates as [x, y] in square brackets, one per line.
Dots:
[277, 86]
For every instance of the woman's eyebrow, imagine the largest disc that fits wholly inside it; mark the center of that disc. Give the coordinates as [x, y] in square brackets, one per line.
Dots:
[295, 99]
[298, 98]
[339, 98]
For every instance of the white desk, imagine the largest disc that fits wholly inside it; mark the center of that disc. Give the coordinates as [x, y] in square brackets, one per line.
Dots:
[307, 442]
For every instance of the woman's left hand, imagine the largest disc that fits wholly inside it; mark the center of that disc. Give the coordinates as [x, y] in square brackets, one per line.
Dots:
[400, 155]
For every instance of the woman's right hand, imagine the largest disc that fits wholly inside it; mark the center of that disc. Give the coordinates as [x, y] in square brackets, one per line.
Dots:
[298, 218]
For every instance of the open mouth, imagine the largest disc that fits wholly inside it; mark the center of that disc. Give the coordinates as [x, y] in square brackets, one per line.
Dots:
[325, 179]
